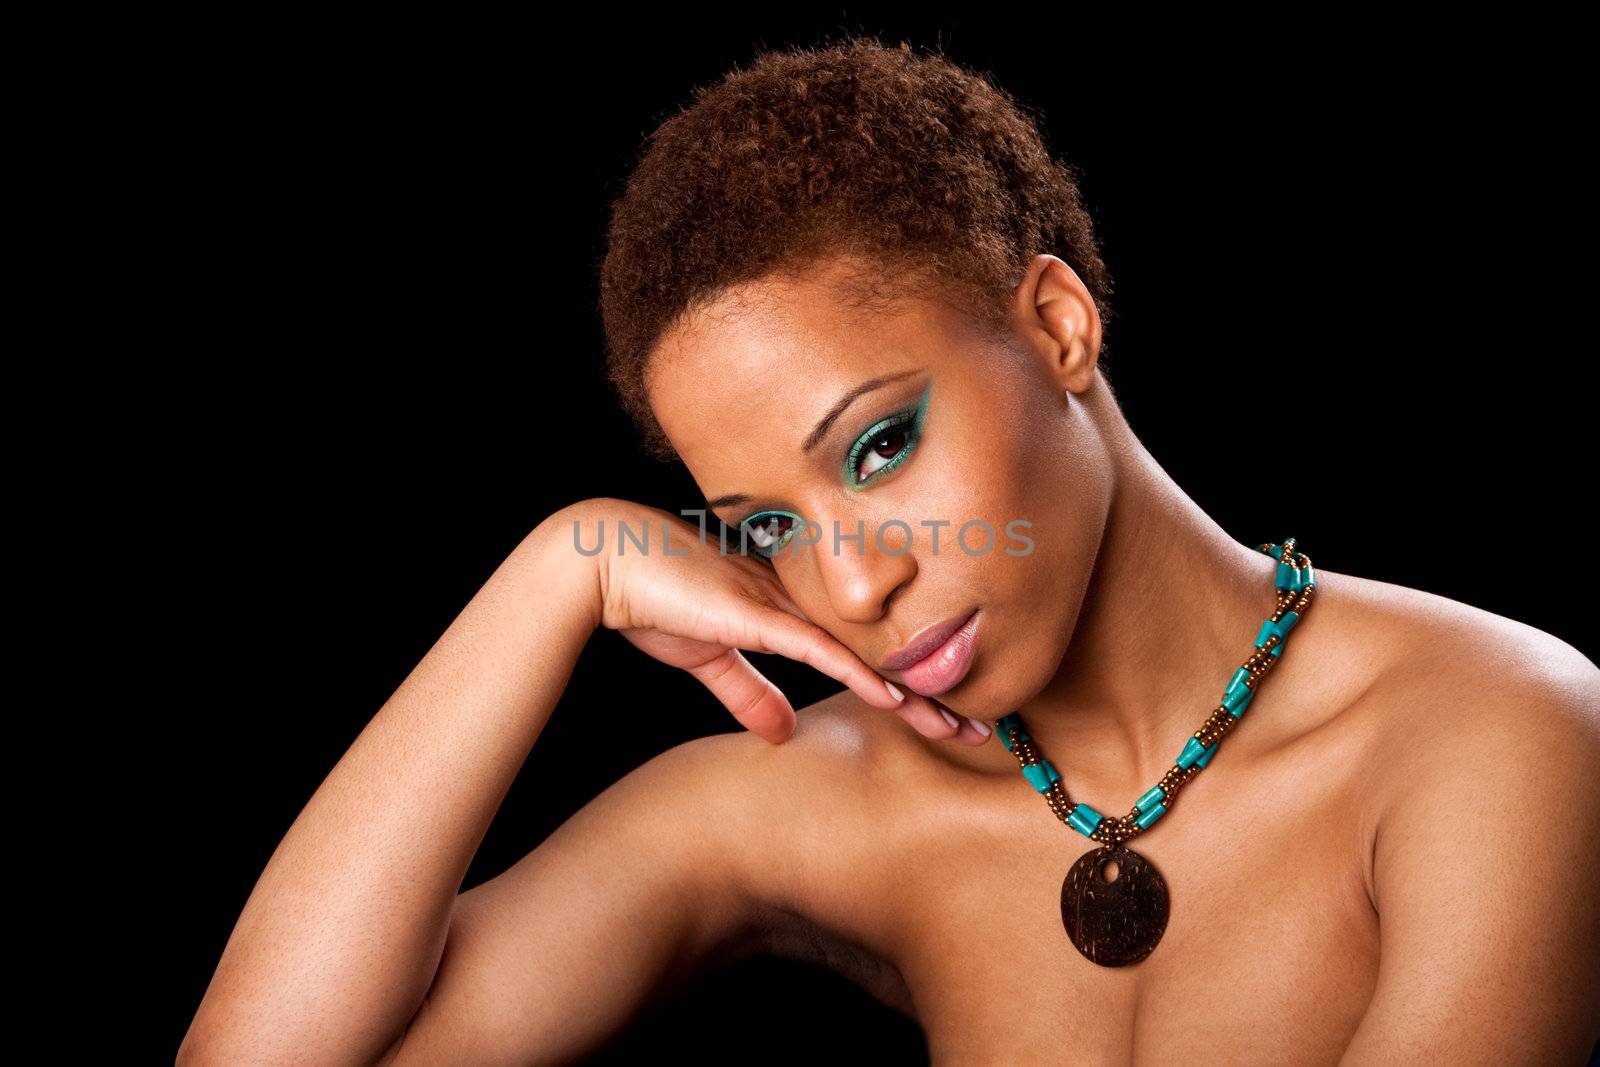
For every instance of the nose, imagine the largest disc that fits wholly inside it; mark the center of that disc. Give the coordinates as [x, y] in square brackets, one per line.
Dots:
[862, 565]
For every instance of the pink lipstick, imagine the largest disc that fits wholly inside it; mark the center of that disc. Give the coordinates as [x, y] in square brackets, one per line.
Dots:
[939, 657]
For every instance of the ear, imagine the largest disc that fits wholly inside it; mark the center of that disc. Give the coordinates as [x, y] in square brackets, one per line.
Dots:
[1057, 312]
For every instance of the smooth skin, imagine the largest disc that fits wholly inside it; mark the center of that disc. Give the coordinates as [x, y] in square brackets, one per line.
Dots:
[1389, 861]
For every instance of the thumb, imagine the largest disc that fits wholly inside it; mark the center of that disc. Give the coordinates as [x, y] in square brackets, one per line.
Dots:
[754, 701]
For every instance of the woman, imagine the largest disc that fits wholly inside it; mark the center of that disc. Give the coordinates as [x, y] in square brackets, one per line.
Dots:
[946, 512]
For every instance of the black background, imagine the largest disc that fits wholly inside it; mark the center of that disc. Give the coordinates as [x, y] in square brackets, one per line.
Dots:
[380, 244]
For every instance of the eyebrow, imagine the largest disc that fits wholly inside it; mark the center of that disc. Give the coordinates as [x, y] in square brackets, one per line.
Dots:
[821, 428]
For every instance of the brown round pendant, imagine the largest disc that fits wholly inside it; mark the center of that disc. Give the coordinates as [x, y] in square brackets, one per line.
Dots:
[1114, 923]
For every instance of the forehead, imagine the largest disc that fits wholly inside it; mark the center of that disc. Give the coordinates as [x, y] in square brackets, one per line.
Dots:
[754, 371]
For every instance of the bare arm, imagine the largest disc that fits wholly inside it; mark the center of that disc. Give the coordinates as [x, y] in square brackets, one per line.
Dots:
[340, 939]
[629, 898]
[355, 946]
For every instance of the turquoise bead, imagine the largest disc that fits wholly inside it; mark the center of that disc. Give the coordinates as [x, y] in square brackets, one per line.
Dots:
[1151, 799]
[1084, 819]
[1265, 632]
[1007, 724]
[1276, 551]
[1238, 700]
[1041, 774]
[1282, 580]
[1281, 628]
[1240, 676]
[1196, 753]
[1144, 821]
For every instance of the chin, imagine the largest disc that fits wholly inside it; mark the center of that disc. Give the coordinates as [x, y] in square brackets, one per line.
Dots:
[980, 696]
[997, 686]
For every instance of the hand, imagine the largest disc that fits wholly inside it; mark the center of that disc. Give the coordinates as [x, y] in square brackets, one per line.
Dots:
[696, 608]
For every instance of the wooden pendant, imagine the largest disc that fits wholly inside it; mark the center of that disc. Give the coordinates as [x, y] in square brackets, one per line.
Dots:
[1118, 922]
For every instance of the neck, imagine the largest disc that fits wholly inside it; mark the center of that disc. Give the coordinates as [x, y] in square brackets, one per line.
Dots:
[1171, 610]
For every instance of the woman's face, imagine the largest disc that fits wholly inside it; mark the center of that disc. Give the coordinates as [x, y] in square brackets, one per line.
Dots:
[975, 481]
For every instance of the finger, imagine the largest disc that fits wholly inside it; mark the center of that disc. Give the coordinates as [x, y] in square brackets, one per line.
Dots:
[923, 716]
[754, 701]
[972, 731]
[927, 716]
[934, 719]
[799, 639]
[931, 718]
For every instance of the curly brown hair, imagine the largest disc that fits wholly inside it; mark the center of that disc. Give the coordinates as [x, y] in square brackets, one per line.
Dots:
[927, 171]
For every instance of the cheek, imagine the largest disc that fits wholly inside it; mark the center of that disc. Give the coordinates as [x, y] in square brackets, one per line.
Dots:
[1011, 436]
[1006, 464]
[974, 475]
[1037, 464]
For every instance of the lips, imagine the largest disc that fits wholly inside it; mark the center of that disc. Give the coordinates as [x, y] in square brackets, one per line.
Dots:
[938, 657]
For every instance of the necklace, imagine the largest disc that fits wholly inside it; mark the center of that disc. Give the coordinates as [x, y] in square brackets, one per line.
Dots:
[1119, 921]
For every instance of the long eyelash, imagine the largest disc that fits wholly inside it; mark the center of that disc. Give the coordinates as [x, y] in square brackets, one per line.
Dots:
[909, 418]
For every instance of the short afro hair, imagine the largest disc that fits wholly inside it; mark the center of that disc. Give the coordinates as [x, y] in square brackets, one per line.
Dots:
[927, 171]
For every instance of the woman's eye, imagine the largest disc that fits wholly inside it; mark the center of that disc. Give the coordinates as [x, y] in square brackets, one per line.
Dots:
[768, 532]
[885, 445]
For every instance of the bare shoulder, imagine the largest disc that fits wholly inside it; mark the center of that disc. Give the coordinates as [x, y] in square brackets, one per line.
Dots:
[805, 829]
[1459, 687]
[1478, 794]
[1453, 656]
[836, 749]
[805, 808]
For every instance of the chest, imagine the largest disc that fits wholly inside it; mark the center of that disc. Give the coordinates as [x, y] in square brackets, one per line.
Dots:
[1269, 955]
[1262, 960]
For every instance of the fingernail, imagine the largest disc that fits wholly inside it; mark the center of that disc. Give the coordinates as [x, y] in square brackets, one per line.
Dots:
[955, 724]
[980, 726]
[893, 691]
